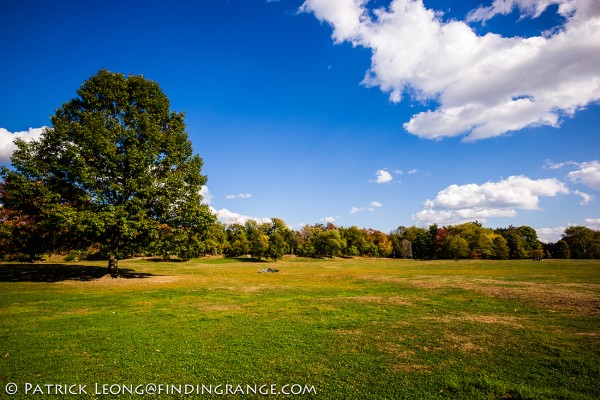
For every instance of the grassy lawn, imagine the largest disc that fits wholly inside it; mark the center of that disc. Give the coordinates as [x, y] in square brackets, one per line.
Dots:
[353, 329]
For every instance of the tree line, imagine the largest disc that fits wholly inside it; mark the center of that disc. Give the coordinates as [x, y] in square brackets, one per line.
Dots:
[274, 239]
[469, 240]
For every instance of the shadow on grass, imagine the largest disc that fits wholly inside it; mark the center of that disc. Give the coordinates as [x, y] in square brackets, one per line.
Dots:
[248, 259]
[59, 273]
[160, 259]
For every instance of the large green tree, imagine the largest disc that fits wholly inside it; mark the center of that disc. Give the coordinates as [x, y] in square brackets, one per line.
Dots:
[116, 168]
[582, 242]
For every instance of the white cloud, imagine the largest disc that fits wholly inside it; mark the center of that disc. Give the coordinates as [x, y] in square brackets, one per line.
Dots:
[239, 196]
[371, 207]
[553, 235]
[328, 220]
[413, 171]
[461, 203]
[585, 198]
[7, 145]
[528, 8]
[550, 235]
[549, 164]
[593, 223]
[485, 86]
[206, 195]
[383, 176]
[588, 174]
[229, 217]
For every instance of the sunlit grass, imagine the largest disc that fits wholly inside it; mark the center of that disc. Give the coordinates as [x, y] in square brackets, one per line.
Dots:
[360, 328]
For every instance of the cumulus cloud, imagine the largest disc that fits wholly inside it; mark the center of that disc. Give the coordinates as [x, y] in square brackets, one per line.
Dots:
[376, 204]
[462, 203]
[7, 145]
[230, 217]
[355, 210]
[413, 171]
[383, 176]
[328, 220]
[550, 235]
[238, 196]
[593, 223]
[484, 86]
[588, 174]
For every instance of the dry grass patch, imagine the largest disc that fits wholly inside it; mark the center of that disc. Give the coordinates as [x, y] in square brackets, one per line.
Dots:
[349, 332]
[387, 300]
[484, 319]
[78, 311]
[216, 307]
[578, 298]
[107, 281]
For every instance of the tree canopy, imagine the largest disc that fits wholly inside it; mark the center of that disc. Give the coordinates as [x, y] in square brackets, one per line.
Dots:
[116, 168]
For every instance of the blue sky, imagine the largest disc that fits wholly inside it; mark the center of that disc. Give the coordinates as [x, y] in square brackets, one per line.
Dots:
[376, 114]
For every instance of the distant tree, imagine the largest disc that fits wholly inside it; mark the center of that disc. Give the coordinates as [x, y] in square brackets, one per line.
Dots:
[438, 242]
[277, 231]
[277, 246]
[537, 254]
[402, 240]
[304, 241]
[456, 247]
[422, 244]
[405, 250]
[257, 238]
[517, 246]
[329, 243]
[583, 242]
[237, 241]
[530, 236]
[116, 168]
[500, 250]
[561, 250]
[214, 241]
[383, 244]
[356, 240]
[480, 239]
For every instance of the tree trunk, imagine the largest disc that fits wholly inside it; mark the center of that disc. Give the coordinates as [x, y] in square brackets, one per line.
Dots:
[113, 266]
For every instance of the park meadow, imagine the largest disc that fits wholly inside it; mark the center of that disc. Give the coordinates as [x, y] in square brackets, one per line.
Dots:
[345, 328]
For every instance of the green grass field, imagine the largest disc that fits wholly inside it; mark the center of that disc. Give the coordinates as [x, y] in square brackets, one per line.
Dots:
[352, 329]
